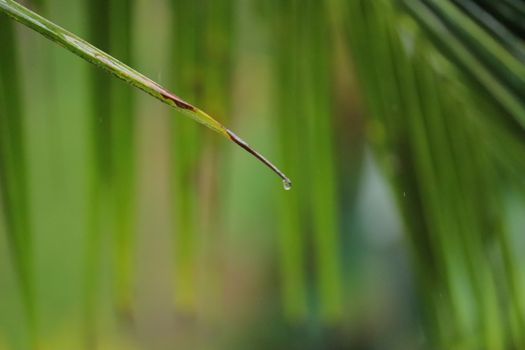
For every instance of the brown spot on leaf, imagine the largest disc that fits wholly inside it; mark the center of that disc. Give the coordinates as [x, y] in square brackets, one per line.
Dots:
[259, 156]
[179, 102]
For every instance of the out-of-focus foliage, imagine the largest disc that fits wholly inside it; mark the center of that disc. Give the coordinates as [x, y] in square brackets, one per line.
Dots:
[446, 96]
[13, 170]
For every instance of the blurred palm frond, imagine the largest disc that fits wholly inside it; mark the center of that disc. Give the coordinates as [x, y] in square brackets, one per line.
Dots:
[436, 76]
[14, 191]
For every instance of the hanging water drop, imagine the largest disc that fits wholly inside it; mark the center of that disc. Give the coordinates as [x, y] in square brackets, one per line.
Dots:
[287, 184]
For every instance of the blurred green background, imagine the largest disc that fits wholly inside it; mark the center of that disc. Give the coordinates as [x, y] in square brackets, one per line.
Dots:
[125, 225]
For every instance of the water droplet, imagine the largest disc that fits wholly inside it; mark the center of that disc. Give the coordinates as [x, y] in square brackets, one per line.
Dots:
[287, 184]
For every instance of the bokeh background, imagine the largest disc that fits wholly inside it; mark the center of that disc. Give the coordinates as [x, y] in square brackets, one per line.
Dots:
[125, 225]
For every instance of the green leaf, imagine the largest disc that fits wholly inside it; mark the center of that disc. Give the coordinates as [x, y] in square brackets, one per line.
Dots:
[99, 58]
